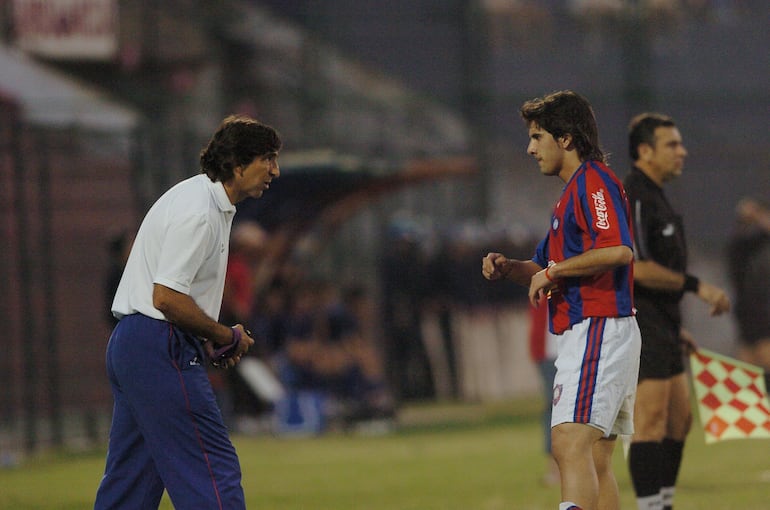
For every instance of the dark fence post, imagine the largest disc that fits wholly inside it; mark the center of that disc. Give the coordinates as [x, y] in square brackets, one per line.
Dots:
[47, 249]
[26, 310]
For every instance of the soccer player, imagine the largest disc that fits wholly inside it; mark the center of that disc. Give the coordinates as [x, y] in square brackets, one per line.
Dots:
[584, 265]
[167, 431]
[662, 414]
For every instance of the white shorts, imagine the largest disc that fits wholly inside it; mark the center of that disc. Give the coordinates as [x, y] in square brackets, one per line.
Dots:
[596, 374]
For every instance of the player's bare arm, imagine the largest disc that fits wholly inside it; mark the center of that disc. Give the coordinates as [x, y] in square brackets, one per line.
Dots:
[496, 266]
[652, 275]
[590, 262]
[182, 310]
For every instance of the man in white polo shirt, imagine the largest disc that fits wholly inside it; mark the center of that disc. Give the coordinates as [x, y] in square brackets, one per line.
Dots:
[167, 431]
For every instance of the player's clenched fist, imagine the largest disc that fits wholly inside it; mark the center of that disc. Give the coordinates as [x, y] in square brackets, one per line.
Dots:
[494, 266]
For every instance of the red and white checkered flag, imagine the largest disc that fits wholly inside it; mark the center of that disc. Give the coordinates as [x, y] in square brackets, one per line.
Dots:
[732, 397]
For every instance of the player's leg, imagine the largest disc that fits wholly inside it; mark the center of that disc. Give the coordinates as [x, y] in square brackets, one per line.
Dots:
[609, 498]
[672, 446]
[572, 445]
[615, 398]
[596, 370]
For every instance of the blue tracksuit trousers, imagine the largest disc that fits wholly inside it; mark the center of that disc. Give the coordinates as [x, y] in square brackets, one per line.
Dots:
[167, 431]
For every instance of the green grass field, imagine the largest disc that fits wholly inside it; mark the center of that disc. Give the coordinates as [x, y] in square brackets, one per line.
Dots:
[443, 457]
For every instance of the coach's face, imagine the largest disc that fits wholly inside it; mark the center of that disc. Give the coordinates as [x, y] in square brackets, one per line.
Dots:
[253, 179]
[547, 151]
[667, 156]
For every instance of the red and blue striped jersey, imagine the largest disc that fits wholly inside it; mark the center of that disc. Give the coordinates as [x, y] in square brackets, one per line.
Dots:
[592, 212]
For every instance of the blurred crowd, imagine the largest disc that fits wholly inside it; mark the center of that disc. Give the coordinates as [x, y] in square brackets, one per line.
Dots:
[355, 349]
[748, 260]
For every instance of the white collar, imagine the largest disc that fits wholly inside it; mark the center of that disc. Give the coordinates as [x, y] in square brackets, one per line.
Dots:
[220, 195]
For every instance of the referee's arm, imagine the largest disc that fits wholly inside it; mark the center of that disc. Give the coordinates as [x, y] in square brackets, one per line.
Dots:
[652, 275]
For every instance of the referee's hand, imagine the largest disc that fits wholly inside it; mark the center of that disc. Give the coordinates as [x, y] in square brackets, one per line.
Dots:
[715, 297]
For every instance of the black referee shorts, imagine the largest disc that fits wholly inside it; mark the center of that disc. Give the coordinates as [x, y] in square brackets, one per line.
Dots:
[662, 354]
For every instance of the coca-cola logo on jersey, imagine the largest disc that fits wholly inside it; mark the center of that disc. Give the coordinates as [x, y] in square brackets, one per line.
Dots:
[600, 206]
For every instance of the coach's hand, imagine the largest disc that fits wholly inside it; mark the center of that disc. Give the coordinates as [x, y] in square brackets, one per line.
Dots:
[246, 342]
[229, 355]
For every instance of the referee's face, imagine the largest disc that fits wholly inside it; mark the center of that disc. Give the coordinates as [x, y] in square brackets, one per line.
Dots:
[668, 155]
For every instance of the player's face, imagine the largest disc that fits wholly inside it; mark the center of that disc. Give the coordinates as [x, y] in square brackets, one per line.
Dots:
[256, 177]
[546, 150]
[668, 155]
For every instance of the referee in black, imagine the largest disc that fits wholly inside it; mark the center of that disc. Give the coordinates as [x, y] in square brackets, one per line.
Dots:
[662, 415]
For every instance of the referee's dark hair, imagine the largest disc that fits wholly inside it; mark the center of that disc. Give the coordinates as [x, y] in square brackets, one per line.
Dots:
[642, 128]
[237, 141]
[567, 113]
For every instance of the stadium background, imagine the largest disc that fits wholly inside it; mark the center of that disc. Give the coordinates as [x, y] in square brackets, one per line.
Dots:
[105, 103]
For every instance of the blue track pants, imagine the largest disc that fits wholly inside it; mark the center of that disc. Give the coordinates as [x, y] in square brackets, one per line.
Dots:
[167, 431]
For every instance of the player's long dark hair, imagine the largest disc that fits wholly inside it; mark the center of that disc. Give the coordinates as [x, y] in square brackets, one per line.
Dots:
[567, 113]
[642, 128]
[237, 141]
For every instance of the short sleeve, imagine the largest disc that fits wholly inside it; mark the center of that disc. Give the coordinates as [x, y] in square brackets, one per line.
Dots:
[604, 213]
[183, 250]
[541, 253]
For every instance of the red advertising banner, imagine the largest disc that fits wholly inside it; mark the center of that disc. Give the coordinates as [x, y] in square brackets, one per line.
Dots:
[67, 29]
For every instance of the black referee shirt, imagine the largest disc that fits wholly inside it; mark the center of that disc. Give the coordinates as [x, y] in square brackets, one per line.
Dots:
[658, 236]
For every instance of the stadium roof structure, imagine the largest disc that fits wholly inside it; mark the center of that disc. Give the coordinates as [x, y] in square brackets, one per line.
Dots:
[326, 191]
[49, 98]
[318, 195]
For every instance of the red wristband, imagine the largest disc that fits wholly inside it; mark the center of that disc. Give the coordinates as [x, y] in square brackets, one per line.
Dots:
[549, 276]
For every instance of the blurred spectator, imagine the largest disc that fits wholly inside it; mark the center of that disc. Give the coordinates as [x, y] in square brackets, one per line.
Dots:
[269, 319]
[749, 263]
[436, 324]
[248, 243]
[518, 23]
[327, 351]
[404, 285]
[247, 246]
[542, 350]
[351, 319]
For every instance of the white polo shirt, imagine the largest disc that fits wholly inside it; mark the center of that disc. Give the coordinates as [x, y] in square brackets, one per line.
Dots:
[183, 244]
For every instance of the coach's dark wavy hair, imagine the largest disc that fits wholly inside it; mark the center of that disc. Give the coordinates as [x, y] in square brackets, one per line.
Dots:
[642, 128]
[566, 112]
[237, 141]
